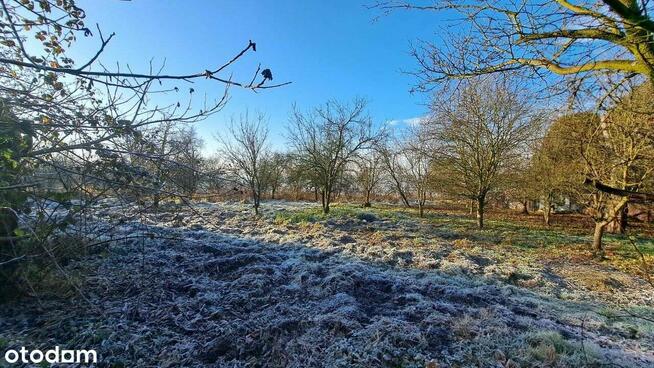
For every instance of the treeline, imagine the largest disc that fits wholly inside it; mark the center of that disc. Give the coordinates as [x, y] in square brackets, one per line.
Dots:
[488, 140]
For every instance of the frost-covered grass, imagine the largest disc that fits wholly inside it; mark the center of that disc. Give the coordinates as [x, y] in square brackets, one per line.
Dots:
[220, 287]
[315, 214]
[501, 232]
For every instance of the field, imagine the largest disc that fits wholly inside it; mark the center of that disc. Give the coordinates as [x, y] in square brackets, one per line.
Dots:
[250, 184]
[214, 285]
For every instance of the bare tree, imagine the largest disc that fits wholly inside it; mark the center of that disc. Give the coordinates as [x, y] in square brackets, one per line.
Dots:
[277, 165]
[215, 176]
[416, 155]
[368, 173]
[327, 139]
[246, 151]
[520, 186]
[390, 158]
[187, 164]
[297, 176]
[479, 136]
[406, 158]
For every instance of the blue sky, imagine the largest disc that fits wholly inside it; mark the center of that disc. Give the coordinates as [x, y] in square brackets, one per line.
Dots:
[328, 49]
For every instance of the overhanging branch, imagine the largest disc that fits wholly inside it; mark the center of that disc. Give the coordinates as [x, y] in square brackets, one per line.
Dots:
[635, 197]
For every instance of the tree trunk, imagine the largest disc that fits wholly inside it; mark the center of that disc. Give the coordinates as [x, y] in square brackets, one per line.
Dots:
[525, 210]
[422, 197]
[322, 200]
[597, 236]
[398, 186]
[480, 211]
[547, 211]
[601, 224]
[155, 200]
[329, 199]
[326, 199]
[367, 202]
[256, 201]
[405, 200]
[623, 219]
[617, 217]
[272, 194]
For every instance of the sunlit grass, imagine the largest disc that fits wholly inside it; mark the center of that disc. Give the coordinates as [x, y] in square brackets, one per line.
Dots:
[500, 232]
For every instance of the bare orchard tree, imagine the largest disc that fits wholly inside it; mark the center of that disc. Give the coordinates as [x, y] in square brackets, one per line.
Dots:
[152, 153]
[406, 158]
[479, 137]
[390, 158]
[187, 167]
[326, 139]
[416, 156]
[368, 173]
[215, 178]
[519, 186]
[246, 151]
[277, 166]
[297, 178]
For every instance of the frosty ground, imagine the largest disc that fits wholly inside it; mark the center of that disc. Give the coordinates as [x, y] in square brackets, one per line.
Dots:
[213, 285]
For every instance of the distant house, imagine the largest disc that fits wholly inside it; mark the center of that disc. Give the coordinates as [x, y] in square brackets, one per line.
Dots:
[563, 205]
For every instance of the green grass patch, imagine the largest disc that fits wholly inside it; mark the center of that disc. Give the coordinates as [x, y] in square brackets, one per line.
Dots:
[624, 247]
[503, 232]
[526, 236]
